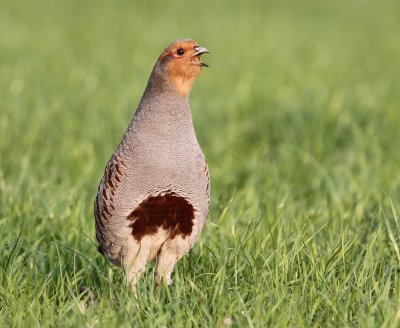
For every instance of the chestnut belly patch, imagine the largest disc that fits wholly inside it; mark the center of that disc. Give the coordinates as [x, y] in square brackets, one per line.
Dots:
[168, 211]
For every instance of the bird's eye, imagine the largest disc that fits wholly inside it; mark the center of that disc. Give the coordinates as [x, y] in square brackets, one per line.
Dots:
[180, 51]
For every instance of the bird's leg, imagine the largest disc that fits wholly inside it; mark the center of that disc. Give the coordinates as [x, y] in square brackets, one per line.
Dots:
[135, 262]
[171, 252]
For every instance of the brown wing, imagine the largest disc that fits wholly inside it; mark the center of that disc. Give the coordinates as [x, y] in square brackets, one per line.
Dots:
[104, 202]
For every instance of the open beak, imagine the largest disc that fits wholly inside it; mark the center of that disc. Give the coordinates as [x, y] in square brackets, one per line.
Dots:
[199, 52]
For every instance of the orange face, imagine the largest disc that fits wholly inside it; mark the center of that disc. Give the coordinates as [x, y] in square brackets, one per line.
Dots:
[183, 63]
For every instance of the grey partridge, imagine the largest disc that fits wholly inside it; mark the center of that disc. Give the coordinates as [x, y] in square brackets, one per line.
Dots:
[154, 196]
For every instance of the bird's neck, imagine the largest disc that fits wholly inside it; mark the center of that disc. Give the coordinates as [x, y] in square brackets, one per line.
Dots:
[162, 100]
[163, 114]
[164, 106]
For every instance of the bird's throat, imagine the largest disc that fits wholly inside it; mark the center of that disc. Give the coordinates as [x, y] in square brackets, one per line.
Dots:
[182, 84]
[182, 76]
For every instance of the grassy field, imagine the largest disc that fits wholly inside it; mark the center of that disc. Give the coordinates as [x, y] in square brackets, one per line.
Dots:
[299, 119]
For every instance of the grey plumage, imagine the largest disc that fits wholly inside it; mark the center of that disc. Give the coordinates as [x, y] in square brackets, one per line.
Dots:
[156, 175]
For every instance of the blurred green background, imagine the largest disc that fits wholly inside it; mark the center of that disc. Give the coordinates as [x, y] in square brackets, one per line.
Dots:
[298, 117]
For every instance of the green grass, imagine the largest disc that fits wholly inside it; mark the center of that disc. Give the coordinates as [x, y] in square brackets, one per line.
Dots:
[298, 117]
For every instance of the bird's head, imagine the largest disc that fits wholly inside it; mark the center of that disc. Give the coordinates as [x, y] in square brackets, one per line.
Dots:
[181, 62]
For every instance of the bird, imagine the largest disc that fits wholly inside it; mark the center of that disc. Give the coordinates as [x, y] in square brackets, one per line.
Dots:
[154, 197]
